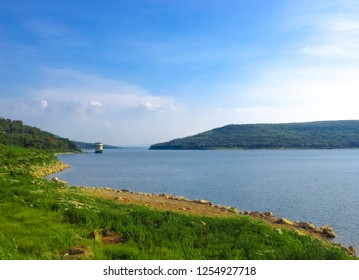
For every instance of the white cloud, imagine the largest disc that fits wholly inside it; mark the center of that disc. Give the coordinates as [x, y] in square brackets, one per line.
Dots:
[88, 107]
[79, 92]
[95, 104]
[43, 103]
[323, 51]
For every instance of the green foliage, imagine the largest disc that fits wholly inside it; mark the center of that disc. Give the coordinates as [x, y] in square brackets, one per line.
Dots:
[15, 133]
[41, 220]
[313, 135]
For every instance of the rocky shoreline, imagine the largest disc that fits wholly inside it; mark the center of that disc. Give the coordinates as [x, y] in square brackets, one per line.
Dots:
[207, 208]
[184, 205]
[41, 171]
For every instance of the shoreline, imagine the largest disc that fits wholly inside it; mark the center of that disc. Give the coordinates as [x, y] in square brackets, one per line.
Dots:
[43, 170]
[183, 205]
[200, 207]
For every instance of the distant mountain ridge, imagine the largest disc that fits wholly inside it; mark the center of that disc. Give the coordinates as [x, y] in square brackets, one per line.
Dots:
[306, 135]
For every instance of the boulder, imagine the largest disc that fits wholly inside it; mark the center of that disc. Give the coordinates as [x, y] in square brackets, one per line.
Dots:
[165, 195]
[285, 221]
[55, 180]
[273, 219]
[203, 202]
[268, 214]
[328, 232]
[233, 210]
[256, 214]
[351, 250]
[58, 181]
[305, 225]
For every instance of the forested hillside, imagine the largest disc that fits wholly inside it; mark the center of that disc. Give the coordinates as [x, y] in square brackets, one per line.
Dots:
[15, 133]
[311, 135]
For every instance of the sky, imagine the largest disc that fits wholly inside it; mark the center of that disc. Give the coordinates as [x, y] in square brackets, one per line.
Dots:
[139, 72]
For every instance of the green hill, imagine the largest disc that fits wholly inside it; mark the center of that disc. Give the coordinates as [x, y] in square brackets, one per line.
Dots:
[310, 135]
[15, 133]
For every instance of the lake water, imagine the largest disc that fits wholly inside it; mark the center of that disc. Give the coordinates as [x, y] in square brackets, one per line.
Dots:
[320, 186]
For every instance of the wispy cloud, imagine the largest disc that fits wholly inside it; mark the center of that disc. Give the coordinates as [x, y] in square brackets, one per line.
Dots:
[55, 33]
[87, 101]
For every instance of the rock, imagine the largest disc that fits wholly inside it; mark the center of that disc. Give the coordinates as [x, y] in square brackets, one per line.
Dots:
[328, 232]
[351, 250]
[96, 234]
[203, 202]
[106, 236]
[179, 198]
[77, 253]
[58, 181]
[165, 195]
[255, 214]
[273, 219]
[285, 221]
[318, 230]
[268, 214]
[233, 210]
[55, 180]
[121, 199]
[200, 201]
[305, 225]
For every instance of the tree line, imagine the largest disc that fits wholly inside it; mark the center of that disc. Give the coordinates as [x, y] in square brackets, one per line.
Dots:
[15, 133]
[310, 135]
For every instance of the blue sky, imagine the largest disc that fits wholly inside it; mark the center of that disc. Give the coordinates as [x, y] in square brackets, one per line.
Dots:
[145, 71]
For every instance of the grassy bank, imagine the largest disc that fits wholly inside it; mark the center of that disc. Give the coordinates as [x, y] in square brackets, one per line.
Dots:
[48, 220]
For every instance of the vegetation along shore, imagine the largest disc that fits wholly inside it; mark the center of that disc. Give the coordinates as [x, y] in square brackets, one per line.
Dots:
[44, 219]
[308, 135]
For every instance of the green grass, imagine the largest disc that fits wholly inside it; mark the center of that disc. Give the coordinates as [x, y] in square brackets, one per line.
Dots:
[41, 220]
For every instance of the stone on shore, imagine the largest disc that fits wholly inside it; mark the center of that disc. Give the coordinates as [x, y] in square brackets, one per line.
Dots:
[328, 232]
[58, 181]
[285, 221]
[351, 250]
[305, 225]
[268, 214]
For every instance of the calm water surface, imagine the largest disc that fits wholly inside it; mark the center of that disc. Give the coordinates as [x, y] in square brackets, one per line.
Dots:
[321, 186]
